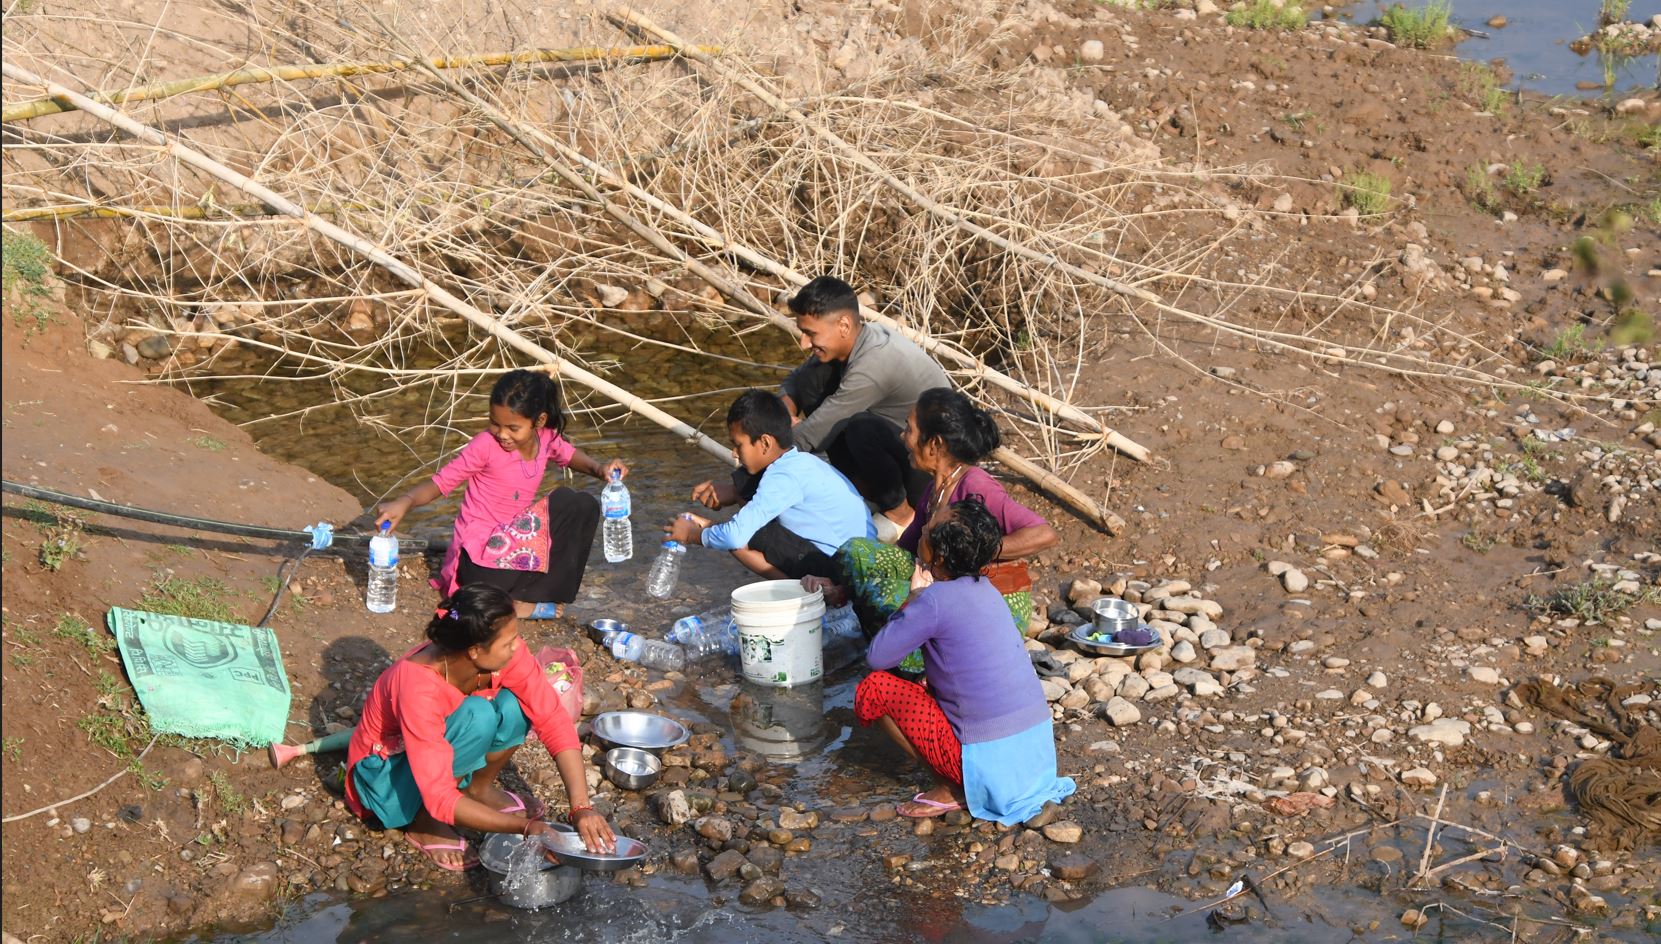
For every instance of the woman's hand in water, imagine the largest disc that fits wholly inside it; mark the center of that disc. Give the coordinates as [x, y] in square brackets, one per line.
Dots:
[595, 832]
[393, 511]
[614, 465]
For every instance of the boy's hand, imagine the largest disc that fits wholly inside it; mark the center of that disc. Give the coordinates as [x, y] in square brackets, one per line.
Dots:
[609, 467]
[687, 529]
[714, 495]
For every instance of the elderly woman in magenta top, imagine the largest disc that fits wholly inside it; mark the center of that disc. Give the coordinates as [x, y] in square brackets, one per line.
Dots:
[442, 722]
[947, 435]
[981, 724]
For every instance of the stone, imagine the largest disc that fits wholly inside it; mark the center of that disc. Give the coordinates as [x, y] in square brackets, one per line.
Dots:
[1193, 606]
[1121, 713]
[1092, 51]
[80, 825]
[1294, 580]
[1054, 688]
[725, 865]
[791, 819]
[1214, 639]
[673, 808]
[155, 347]
[1283, 203]
[1099, 689]
[1206, 8]
[1377, 680]
[1418, 777]
[1198, 681]
[1072, 867]
[1074, 700]
[256, 881]
[1065, 832]
[685, 861]
[1300, 850]
[1281, 469]
[761, 891]
[1450, 732]
[801, 899]
[1631, 106]
[716, 829]
[1486, 675]
[1232, 658]
[1183, 652]
[1133, 687]
[1162, 693]
[1413, 917]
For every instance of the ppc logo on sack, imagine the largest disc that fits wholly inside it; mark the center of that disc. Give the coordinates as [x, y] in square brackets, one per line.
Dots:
[204, 650]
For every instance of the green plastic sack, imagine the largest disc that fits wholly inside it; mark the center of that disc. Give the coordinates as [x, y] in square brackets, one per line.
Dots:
[203, 679]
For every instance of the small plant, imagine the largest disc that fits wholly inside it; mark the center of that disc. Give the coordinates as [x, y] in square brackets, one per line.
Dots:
[1478, 542]
[1480, 188]
[62, 543]
[74, 628]
[1569, 344]
[1523, 178]
[12, 747]
[24, 267]
[1368, 193]
[1613, 11]
[207, 442]
[1482, 85]
[1421, 28]
[1296, 119]
[1591, 602]
[202, 598]
[230, 799]
[1265, 15]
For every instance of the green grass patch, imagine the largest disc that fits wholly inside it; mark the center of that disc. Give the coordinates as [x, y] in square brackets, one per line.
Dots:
[75, 629]
[25, 267]
[231, 800]
[1480, 188]
[62, 543]
[207, 442]
[1368, 193]
[1613, 11]
[202, 598]
[1523, 178]
[1264, 15]
[12, 747]
[1421, 28]
[1571, 343]
[1481, 84]
[1594, 601]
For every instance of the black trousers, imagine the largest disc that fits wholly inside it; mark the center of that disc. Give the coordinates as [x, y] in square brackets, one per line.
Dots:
[867, 448]
[794, 556]
[572, 518]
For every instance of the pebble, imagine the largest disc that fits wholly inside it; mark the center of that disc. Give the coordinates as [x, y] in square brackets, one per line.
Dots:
[1231, 659]
[1065, 831]
[256, 881]
[1300, 849]
[80, 824]
[1214, 639]
[1418, 777]
[791, 819]
[1447, 731]
[1092, 51]
[761, 891]
[1294, 580]
[1378, 680]
[1183, 652]
[1121, 713]
[673, 808]
[725, 865]
[1072, 867]
[1335, 662]
[1279, 470]
[1486, 675]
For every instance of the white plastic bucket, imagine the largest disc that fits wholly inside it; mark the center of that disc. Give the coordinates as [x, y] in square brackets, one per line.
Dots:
[779, 638]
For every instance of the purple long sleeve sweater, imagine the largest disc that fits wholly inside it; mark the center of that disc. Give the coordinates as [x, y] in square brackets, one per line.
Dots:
[977, 668]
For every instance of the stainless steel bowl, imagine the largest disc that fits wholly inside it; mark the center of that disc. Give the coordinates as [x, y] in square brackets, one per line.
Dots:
[1114, 614]
[640, 729]
[549, 885]
[602, 628]
[1080, 637]
[632, 768]
[568, 848]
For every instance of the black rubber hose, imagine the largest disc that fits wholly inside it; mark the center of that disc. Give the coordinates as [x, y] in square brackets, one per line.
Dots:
[189, 521]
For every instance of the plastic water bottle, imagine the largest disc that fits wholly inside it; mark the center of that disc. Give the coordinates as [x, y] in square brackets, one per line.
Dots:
[703, 635]
[660, 581]
[651, 653]
[616, 534]
[842, 623]
[383, 571]
[688, 630]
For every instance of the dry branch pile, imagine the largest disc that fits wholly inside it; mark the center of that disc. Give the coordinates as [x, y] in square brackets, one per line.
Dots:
[665, 202]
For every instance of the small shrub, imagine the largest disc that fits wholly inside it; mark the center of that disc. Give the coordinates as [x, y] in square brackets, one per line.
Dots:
[12, 747]
[1591, 602]
[1613, 11]
[1480, 188]
[62, 543]
[1421, 28]
[230, 799]
[1524, 179]
[25, 267]
[74, 628]
[1483, 87]
[1368, 193]
[1569, 344]
[207, 442]
[1264, 15]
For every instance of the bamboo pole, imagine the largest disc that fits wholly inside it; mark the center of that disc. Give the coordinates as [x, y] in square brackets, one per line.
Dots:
[93, 211]
[524, 134]
[397, 267]
[50, 105]
[627, 17]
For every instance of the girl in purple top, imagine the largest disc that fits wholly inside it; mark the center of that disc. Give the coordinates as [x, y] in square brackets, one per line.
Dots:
[534, 547]
[982, 723]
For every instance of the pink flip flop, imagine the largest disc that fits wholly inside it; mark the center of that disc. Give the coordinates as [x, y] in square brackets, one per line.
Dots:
[460, 845]
[519, 806]
[933, 808]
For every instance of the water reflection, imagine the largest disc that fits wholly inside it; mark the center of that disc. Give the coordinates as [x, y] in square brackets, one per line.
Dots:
[784, 725]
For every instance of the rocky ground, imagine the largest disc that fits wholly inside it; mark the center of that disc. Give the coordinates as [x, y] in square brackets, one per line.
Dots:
[1354, 572]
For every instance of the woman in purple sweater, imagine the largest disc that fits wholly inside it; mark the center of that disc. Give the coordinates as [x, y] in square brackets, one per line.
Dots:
[981, 723]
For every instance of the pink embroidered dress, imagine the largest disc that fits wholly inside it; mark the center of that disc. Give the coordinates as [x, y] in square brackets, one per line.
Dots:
[502, 487]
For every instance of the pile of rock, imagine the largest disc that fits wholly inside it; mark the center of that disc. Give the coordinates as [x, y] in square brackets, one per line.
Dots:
[1196, 657]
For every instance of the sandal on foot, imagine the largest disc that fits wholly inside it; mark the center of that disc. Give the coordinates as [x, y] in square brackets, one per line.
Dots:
[931, 808]
[547, 611]
[536, 810]
[460, 845]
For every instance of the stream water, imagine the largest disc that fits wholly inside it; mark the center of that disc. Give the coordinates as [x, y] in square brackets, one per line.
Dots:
[1534, 43]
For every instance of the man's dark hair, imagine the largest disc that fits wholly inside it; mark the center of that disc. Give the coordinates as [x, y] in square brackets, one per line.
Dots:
[759, 413]
[967, 541]
[826, 297]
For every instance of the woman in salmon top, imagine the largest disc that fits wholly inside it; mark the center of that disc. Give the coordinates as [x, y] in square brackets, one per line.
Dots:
[442, 722]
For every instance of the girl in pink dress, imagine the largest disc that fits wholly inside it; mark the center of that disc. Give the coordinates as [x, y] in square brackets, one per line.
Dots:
[507, 534]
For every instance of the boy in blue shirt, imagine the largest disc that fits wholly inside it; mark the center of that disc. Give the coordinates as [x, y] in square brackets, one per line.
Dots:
[800, 510]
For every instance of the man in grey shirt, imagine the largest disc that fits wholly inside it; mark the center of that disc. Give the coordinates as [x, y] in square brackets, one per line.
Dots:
[851, 398]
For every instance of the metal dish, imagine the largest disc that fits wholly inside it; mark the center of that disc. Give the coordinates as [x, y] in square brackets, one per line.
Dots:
[1114, 614]
[640, 729]
[632, 768]
[1080, 637]
[549, 885]
[601, 630]
[568, 848]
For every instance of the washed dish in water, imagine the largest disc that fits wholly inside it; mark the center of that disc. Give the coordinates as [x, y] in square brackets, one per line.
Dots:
[569, 849]
[640, 729]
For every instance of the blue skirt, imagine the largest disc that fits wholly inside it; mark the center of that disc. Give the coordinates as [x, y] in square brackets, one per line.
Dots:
[1010, 779]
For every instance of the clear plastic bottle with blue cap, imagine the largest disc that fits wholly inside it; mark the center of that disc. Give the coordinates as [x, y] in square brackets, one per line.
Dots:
[616, 536]
[660, 581]
[382, 596]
